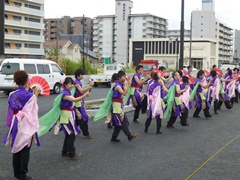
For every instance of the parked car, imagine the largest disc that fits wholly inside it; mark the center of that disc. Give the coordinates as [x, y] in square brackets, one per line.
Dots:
[47, 69]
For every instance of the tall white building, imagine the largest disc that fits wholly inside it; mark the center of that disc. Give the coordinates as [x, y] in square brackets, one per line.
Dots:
[24, 28]
[236, 44]
[111, 33]
[208, 5]
[205, 25]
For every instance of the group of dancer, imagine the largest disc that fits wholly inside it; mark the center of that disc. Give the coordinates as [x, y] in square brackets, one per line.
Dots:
[70, 116]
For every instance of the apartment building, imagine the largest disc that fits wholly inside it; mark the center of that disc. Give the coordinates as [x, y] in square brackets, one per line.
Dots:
[68, 26]
[236, 44]
[111, 33]
[24, 28]
[205, 25]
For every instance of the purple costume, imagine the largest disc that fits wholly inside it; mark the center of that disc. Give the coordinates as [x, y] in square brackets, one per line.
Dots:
[135, 90]
[16, 101]
[67, 118]
[200, 97]
[152, 86]
[117, 106]
[80, 105]
[176, 107]
[210, 93]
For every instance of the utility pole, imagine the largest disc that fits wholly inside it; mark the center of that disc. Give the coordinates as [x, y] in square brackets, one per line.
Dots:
[83, 21]
[177, 51]
[57, 40]
[2, 30]
[182, 38]
[190, 49]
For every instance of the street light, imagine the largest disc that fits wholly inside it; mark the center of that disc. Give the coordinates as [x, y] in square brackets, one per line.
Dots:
[182, 38]
[83, 22]
[190, 49]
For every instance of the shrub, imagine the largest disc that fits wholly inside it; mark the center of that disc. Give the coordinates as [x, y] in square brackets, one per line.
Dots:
[69, 66]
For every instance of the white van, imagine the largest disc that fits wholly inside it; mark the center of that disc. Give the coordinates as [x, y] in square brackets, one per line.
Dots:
[47, 69]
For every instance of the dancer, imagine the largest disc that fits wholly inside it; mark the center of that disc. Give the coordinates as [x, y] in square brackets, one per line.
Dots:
[236, 75]
[22, 119]
[179, 108]
[139, 99]
[223, 96]
[82, 116]
[229, 86]
[156, 104]
[200, 100]
[119, 118]
[67, 119]
[114, 78]
[214, 88]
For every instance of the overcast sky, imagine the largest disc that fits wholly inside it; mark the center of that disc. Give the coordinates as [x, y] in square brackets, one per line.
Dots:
[227, 11]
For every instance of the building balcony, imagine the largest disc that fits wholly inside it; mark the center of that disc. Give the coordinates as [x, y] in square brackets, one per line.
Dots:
[95, 32]
[24, 10]
[32, 51]
[95, 44]
[95, 38]
[37, 1]
[24, 24]
[24, 37]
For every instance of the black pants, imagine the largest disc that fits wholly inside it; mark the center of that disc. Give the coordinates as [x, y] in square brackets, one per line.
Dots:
[198, 110]
[149, 120]
[215, 106]
[183, 118]
[20, 163]
[139, 107]
[227, 104]
[124, 128]
[84, 127]
[68, 145]
[237, 96]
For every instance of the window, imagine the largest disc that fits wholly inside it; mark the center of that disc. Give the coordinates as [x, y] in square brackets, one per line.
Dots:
[111, 68]
[17, 31]
[36, 46]
[17, 18]
[9, 68]
[55, 68]
[30, 68]
[7, 45]
[18, 46]
[32, 19]
[43, 69]
[32, 6]
[17, 4]
[32, 32]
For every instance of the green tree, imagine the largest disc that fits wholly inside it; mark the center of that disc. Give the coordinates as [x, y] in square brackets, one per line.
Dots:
[52, 54]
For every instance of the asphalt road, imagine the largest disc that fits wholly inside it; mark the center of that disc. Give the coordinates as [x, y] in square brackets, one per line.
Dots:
[175, 154]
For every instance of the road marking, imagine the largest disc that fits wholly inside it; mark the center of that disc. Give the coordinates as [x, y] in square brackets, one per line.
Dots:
[212, 157]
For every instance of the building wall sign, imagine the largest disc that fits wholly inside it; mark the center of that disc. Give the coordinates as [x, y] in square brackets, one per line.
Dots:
[124, 10]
